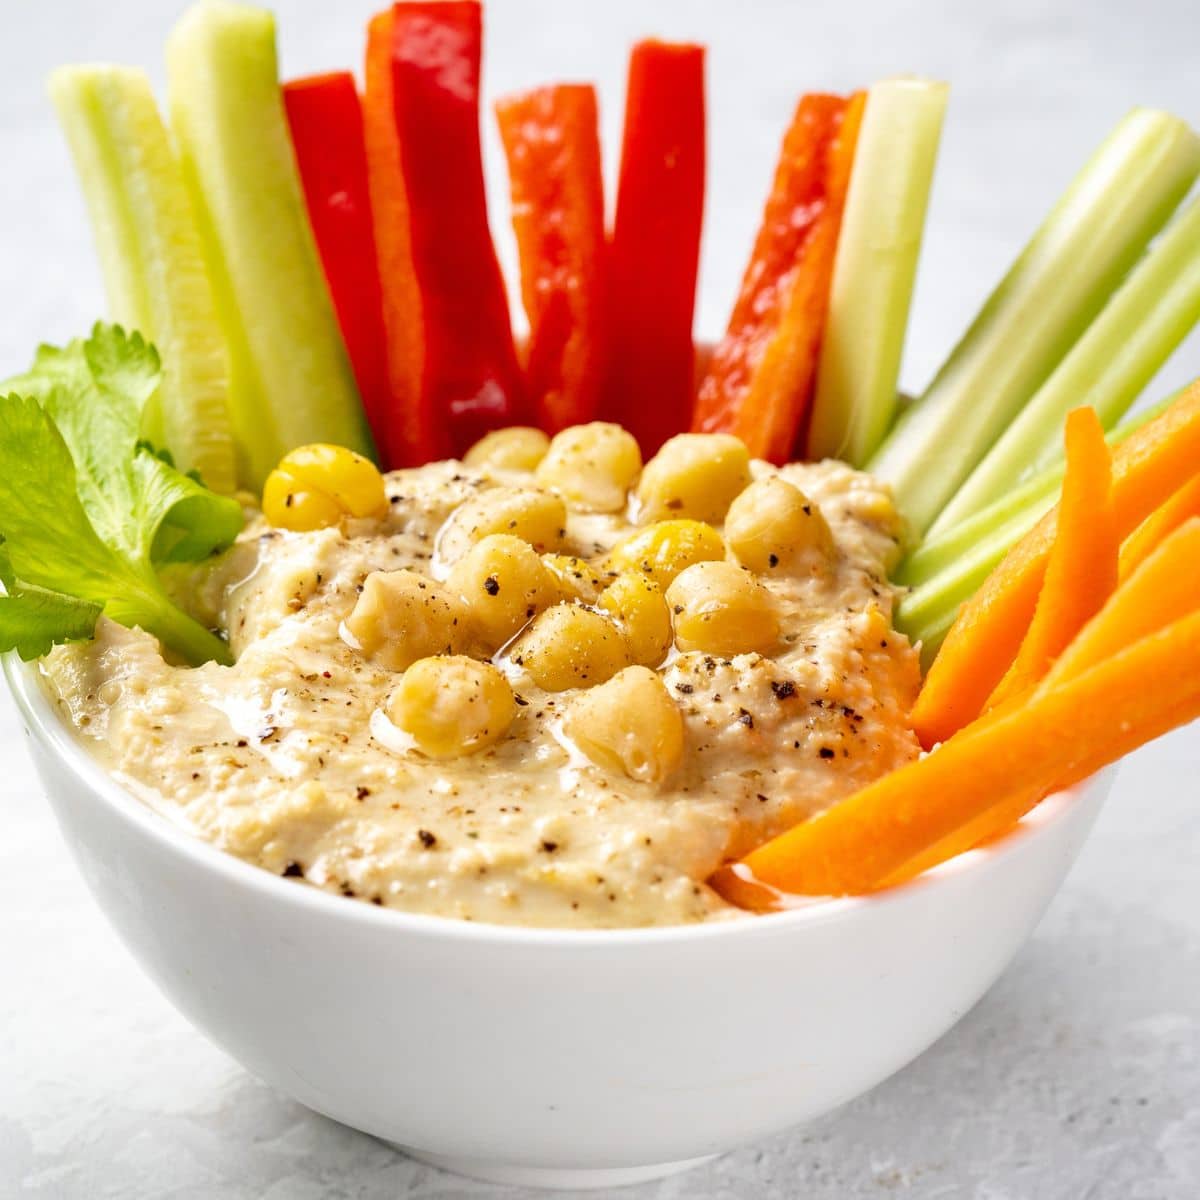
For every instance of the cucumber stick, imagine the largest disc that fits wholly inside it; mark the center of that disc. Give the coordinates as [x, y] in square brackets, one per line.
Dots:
[1075, 261]
[875, 268]
[290, 377]
[1146, 319]
[151, 257]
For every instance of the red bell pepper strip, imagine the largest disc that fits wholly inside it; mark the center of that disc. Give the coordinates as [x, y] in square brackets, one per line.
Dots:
[759, 384]
[409, 437]
[552, 142]
[456, 342]
[326, 121]
[655, 253]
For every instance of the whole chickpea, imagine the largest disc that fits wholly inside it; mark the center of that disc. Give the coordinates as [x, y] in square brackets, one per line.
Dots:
[569, 646]
[504, 585]
[401, 616]
[637, 605]
[592, 467]
[452, 705]
[773, 525]
[533, 515]
[518, 448]
[720, 608]
[694, 475]
[665, 548]
[629, 724]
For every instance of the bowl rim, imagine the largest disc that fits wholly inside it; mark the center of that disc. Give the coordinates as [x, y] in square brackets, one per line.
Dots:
[45, 723]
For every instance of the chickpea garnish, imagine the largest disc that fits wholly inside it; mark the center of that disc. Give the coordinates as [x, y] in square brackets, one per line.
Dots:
[401, 616]
[569, 646]
[452, 705]
[694, 475]
[637, 605]
[503, 584]
[629, 724]
[665, 548]
[517, 448]
[773, 524]
[720, 608]
[314, 487]
[592, 466]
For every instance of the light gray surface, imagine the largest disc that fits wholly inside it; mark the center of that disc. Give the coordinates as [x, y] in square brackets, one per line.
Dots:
[1078, 1076]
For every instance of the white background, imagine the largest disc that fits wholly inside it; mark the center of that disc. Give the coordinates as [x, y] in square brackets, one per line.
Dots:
[1079, 1075]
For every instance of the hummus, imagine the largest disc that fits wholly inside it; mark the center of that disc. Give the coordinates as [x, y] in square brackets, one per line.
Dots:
[287, 759]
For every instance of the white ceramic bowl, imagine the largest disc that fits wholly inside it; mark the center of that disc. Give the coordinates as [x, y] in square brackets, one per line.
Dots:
[551, 1057]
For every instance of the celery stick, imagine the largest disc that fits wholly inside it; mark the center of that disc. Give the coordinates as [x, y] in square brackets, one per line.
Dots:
[1039, 492]
[291, 381]
[150, 254]
[936, 554]
[946, 572]
[875, 268]
[1045, 302]
[1146, 319]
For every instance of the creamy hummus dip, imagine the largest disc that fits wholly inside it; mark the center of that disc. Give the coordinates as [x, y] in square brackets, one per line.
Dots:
[290, 760]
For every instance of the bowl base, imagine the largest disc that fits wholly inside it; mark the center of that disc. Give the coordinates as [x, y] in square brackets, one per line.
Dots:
[564, 1178]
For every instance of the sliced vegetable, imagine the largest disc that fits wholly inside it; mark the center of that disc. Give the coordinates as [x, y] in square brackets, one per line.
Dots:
[1148, 466]
[410, 436]
[290, 378]
[1123, 348]
[945, 572]
[875, 268]
[1145, 539]
[1061, 734]
[760, 380]
[1163, 588]
[325, 118]
[552, 141]
[150, 253]
[655, 252]
[1048, 298]
[471, 366]
[88, 512]
[1081, 570]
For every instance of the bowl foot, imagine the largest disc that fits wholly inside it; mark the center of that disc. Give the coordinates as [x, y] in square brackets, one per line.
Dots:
[566, 1178]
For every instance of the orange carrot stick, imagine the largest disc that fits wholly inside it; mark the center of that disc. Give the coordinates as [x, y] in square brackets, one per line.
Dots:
[1060, 734]
[1148, 467]
[1081, 570]
[1163, 589]
[1145, 539]
[760, 381]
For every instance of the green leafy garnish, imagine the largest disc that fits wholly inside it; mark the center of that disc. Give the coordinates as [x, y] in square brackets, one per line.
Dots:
[88, 512]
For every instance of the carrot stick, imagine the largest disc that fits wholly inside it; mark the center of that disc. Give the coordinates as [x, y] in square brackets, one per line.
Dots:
[1164, 589]
[1060, 734]
[1081, 570]
[1145, 539]
[1148, 466]
[760, 382]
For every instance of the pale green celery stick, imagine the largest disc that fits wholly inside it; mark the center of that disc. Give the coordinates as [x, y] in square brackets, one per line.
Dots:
[291, 381]
[945, 573]
[936, 554]
[1146, 319]
[876, 265]
[1048, 298]
[150, 254]
[1038, 494]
